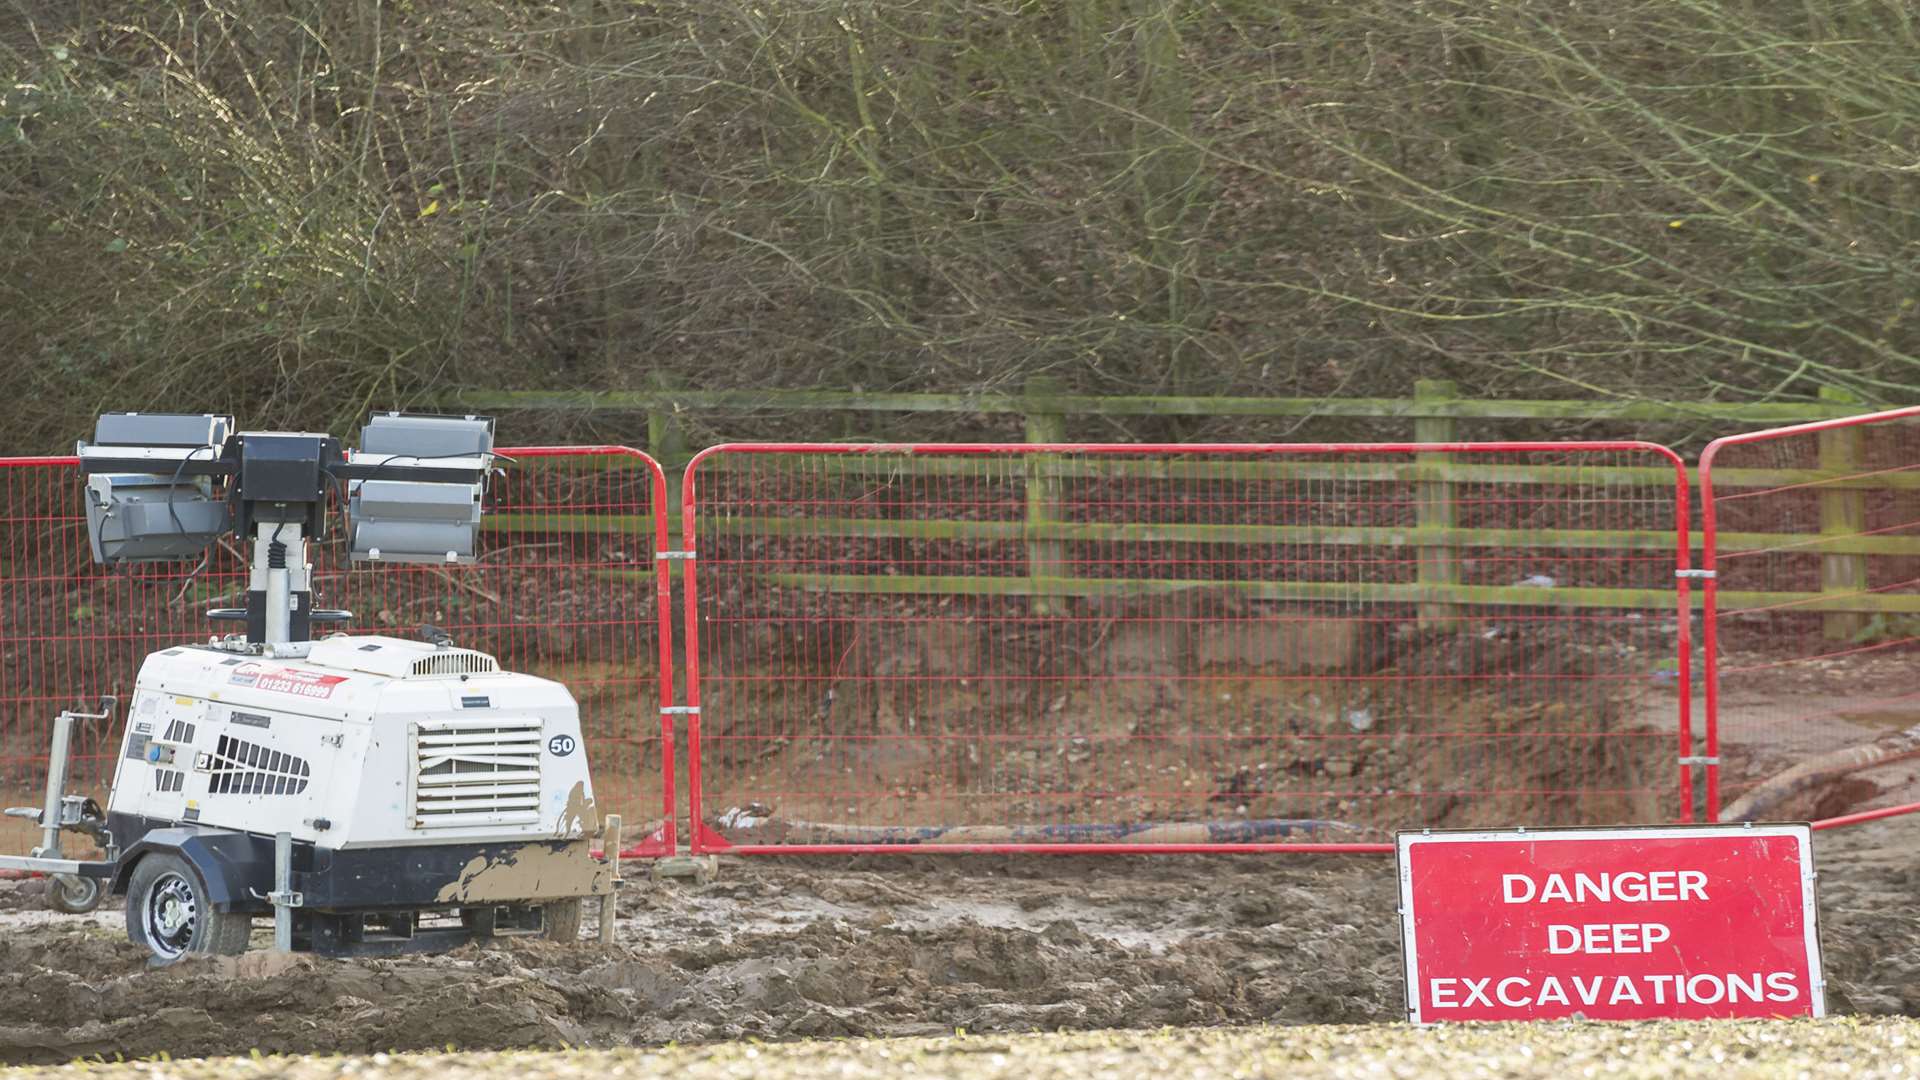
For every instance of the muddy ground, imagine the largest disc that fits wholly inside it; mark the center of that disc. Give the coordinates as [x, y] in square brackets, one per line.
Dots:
[795, 947]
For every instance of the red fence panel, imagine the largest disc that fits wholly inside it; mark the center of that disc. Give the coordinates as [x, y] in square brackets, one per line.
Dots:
[1180, 648]
[566, 586]
[1812, 616]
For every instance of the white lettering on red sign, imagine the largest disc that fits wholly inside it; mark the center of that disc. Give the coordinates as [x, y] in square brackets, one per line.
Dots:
[1687, 922]
[1657, 886]
[1606, 937]
[296, 681]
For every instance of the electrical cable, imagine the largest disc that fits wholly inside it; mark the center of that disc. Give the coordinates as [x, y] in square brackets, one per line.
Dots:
[173, 510]
[389, 458]
[179, 527]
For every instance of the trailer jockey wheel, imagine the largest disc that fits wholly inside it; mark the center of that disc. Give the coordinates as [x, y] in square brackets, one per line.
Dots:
[169, 912]
[73, 894]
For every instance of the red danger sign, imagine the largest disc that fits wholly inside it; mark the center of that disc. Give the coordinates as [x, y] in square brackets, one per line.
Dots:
[1681, 922]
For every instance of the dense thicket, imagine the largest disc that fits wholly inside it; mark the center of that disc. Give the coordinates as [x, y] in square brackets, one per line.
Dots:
[288, 205]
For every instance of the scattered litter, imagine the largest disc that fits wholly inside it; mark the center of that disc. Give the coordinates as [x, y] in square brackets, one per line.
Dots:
[744, 817]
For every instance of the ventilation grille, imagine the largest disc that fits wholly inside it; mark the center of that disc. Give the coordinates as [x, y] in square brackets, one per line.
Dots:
[455, 663]
[178, 731]
[243, 768]
[476, 772]
[168, 779]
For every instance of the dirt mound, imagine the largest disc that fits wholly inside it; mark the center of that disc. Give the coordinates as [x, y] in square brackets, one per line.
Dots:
[23, 894]
[771, 951]
[779, 949]
[77, 995]
[102, 1000]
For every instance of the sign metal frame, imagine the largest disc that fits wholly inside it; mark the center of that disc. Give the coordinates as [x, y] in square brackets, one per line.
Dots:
[1407, 839]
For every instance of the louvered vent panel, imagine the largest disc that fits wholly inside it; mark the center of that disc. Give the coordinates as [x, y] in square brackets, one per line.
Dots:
[240, 767]
[455, 663]
[476, 772]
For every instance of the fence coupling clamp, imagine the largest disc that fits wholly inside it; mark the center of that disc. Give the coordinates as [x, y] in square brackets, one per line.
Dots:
[680, 710]
[1699, 759]
[1706, 575]
[675, 555]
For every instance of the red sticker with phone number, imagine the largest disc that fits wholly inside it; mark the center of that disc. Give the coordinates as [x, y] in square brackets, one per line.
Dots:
[296, 681]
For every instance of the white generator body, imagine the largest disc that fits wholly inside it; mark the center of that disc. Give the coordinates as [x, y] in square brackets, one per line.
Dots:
[362, 742]
[411, 777]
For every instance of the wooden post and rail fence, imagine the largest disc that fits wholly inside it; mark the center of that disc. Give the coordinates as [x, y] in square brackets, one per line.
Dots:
[1433, 414]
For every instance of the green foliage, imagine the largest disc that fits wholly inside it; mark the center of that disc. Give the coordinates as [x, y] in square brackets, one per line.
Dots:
[297, 209]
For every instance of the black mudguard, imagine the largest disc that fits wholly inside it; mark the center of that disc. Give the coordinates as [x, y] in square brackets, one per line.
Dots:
[238, 868]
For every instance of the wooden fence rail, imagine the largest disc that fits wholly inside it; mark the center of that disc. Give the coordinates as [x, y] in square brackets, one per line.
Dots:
[1039, 402]
[1433, 414]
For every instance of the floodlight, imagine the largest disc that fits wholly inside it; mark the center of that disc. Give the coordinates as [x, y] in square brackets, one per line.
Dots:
[164, 444]
[142, 518]
[419, 482]
[166, 486]
[410, 521]
[401, 437]
[149, 486]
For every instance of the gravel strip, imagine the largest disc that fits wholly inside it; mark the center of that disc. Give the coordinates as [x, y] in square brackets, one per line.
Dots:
[1828, 1048]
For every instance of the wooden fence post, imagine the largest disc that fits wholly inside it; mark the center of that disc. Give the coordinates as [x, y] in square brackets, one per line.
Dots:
[1843, 512]
[1045, 558]
[667, 444]
[666, 439]
[1434, 510]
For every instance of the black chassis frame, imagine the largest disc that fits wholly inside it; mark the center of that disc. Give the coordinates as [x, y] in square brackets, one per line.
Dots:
[360, 902]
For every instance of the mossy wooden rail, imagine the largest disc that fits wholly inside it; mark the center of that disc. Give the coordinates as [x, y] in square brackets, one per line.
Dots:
[669, 403]
[1356, 592]
[1431, 413]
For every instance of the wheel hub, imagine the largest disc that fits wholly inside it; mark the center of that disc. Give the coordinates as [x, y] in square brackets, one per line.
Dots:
[171, 909]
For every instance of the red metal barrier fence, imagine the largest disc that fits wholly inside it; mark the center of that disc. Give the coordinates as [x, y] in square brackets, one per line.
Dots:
[1060, 648]
[566, 586]
[1180, 648]
[1813, 618]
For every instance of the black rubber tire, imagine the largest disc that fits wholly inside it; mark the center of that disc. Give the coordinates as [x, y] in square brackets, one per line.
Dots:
[163, 877]
[72, 894]
[560, 920]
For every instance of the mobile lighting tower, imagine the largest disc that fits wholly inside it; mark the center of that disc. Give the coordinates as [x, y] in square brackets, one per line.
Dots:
[377, 795]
